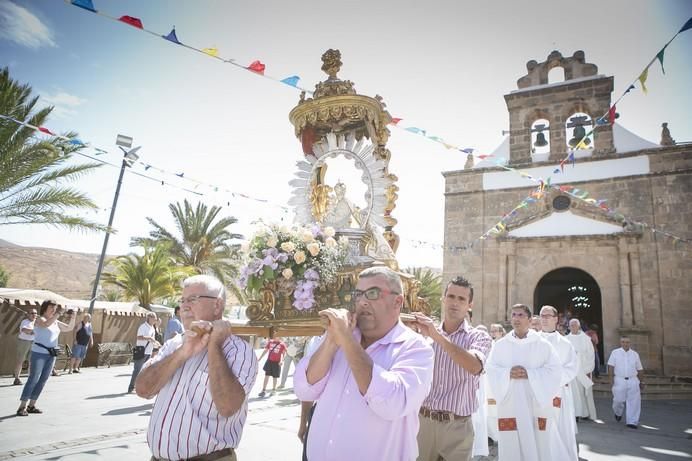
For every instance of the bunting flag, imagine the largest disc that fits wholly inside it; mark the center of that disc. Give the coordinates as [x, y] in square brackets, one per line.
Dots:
[256, 67]
[611, 115]
[659, 56]
[413, 129]
[134, 22]
[686, 26]
[396, 120]
[211, 51]
[435, 138]
[89, 5]
[571, 158]
[291, 81]
[45, 130]
[556, 171]
[467, 150]
[562, 165]
[76, 142]
[630, 88]
[172, 37]
[642, 80]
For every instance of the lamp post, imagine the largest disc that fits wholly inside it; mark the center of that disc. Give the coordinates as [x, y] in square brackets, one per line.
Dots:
[129, 157]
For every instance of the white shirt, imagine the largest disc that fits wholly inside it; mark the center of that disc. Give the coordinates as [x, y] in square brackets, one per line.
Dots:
[626, 363]
[146, 330]
[28, 324]
[184, 422]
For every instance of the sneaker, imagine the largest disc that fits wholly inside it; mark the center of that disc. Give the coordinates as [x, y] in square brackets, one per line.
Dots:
[261, 394]
[17, 382]
[22, 412]
[632, 426]
[76, 371]
[33, 409]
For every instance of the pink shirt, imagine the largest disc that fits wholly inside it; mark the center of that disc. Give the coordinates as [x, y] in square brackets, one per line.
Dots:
[383, 423]
[453, 388]
[184, 422]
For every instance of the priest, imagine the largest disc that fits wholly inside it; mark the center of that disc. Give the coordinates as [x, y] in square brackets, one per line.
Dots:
[582, 385]
[524, 373]
[562, 403]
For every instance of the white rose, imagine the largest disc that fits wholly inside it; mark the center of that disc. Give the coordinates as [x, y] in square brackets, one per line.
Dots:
[288, 247]
[329, 231]
[272, 241]
[299, 257]
[287, 273]
[306, 236]
[314, 248]
[330, 242]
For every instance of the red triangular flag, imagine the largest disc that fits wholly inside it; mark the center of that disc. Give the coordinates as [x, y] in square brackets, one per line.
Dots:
[257, 67]
[396, 120]
[134, 22]
[611, 115]
[45, 130]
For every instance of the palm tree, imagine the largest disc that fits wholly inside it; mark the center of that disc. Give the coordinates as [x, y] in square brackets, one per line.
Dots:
[431, 287]
[111, 296]
[200, 241]
[146, 278]
[34, 171]
[4, 277]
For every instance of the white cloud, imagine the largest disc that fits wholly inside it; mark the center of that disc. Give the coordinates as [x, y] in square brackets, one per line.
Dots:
[64, 103]
[19, 25]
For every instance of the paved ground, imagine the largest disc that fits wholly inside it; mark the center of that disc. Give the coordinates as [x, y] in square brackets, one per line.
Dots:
[88, 416]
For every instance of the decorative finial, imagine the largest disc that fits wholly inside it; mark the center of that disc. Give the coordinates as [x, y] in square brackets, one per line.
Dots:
[666, 138]
[332, 63]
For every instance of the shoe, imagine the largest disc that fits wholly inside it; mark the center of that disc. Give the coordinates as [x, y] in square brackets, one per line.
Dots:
[22, 412]
[54, 373]
[69, 372]
[76, 371]
[280, 387]
[130, 391]
[17, 382]
[617, 418]
[33, 409]
[261, 394]
[632, 426]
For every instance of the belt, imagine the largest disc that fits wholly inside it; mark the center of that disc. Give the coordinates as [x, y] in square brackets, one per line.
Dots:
[206, 457]
[440, 416]
[623, 377]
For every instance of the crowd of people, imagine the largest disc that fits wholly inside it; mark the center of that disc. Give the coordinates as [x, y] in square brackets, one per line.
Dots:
[428, 391]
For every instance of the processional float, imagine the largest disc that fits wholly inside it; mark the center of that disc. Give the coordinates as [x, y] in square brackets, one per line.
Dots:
[339, 130]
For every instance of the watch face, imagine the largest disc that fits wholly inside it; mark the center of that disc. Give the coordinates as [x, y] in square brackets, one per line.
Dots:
[561, 203]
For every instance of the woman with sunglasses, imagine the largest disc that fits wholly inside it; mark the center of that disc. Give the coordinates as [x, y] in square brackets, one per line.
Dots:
[47, 328]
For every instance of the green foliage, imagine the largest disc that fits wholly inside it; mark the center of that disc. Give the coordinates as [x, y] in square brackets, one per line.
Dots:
[431, 287]
[147, 278]
[4, 277]
[35, 169]
[201, 240]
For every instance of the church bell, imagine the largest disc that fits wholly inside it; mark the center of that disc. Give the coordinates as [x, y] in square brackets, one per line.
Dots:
[578, 135]
[540, 140]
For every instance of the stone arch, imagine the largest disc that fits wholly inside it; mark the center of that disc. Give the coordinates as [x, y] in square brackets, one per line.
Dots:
[556, 74]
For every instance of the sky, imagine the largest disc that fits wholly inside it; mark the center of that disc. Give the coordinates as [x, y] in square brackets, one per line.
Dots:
[443, 66]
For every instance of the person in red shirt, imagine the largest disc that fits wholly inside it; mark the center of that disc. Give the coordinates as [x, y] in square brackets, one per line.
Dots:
[272, 367]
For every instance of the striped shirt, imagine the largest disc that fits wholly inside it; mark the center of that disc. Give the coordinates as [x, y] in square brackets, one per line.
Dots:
[454, 388]
[184, 422]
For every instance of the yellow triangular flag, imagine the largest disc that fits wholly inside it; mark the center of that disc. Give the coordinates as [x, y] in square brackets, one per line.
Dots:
[211, 51]
[642, 79]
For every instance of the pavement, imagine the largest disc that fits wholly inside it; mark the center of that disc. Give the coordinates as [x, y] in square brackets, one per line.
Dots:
[89, 416]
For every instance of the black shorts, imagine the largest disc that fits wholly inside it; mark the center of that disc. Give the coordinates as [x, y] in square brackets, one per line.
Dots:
[272, 369]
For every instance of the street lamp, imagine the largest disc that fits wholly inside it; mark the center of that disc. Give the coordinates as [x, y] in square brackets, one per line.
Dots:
[129, 158]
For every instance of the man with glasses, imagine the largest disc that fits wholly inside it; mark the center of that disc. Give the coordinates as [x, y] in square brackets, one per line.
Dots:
[563, 403]
[201, 380]
[446, 428]
[369, 377]
[24, 341]
[524, 373]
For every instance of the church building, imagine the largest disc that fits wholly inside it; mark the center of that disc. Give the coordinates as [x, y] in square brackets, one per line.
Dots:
[596, 242]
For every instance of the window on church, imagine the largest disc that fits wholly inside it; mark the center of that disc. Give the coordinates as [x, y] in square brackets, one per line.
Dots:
[540, 137]
[556, 74]
[579, 134]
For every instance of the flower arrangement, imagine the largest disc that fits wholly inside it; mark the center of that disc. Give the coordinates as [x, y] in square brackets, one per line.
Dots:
[305, 258]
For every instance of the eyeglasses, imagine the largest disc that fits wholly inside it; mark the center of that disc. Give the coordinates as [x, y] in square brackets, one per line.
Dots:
[195, 298]
[371, 294]
[547, 316]
[519, 315]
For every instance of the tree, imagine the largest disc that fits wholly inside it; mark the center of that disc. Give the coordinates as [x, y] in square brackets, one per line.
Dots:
[431, 287]
[201, 241]
[34, 170]
[146, 278]
[111, 296]
[4, 277]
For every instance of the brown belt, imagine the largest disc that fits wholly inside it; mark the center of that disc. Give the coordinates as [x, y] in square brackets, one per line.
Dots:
[440, 416]
[206, 457]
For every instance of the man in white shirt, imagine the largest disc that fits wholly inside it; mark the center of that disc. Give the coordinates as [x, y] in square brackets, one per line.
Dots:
[24, 341]
[625, 371]
[146, 339]
[582, 385]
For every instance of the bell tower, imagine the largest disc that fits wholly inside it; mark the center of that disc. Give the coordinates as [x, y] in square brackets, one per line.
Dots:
[553, 116]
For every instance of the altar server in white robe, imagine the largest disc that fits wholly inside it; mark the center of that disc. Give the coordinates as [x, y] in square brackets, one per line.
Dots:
[479, 418]
[524, 373]
[582, 385]
[497, 331]
[562, 403]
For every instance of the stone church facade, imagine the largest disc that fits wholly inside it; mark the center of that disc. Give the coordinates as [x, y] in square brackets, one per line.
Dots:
[603, 266]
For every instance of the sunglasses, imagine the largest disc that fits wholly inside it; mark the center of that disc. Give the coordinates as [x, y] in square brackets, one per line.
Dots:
[371, 294]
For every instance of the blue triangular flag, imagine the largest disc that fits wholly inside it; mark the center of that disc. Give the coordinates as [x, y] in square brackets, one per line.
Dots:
[171, 37]
[630, 88]
[571, 158]
[687, 26]
[76, 142]
[180, 175]
[291, 81]
[556, 171]
[413, 129]
[468, 150]
[86, 4]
